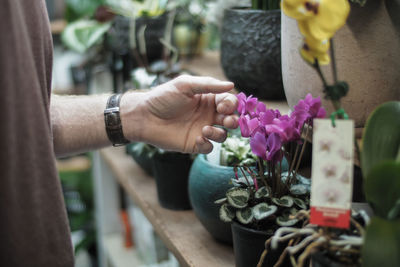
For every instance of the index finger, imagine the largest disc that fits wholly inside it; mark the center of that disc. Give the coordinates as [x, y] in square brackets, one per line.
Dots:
[204, 85]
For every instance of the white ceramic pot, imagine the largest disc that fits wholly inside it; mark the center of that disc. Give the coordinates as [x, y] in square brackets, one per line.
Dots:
[367, 55]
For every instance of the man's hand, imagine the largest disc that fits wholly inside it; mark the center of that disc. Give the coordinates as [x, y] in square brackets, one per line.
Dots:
[180, 115]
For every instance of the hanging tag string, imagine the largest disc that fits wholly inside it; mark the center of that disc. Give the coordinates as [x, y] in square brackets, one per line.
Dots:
[340, 113]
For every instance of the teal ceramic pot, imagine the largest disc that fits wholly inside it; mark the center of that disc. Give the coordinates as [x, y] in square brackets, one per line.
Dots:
[207, 183]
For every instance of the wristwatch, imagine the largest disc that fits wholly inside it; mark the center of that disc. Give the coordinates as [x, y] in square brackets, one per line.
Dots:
[112, 121]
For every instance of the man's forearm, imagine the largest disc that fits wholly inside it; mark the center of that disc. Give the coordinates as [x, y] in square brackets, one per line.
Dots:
[78, 123]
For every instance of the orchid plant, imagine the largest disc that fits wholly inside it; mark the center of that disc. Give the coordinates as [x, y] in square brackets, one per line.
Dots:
[261, 196]
[318, 21]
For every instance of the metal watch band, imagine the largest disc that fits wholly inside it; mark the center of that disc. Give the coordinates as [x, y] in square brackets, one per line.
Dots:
[113, 121]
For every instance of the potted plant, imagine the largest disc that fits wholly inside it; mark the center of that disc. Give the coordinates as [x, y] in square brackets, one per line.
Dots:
[143, 154]
[209, 180]
[380, 162]
[312, 245]
[262, 200]
[369, 241]
[366, 49]
[251, 49]
[189, 33]
[171, 172]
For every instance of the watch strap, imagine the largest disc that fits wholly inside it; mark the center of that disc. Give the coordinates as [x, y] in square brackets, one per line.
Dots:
[112, 121]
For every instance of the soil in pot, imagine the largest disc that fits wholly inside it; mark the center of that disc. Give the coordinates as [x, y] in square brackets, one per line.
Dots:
[171, 172]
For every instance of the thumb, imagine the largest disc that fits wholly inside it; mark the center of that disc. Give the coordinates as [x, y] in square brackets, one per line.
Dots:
[203, 85]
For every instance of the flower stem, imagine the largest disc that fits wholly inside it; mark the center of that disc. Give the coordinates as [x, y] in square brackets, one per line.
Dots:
[319, 71]
[261, 171]
[302, 151]
[245, 177]
[333, 60]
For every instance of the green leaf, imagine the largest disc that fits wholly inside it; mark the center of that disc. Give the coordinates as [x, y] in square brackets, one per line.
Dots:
[220, 201]
[381, 138]
[300, 203]
[226, 214]
[83, 34]
[394, 213]
[245, 215]
[299, 189]
[262, 210]
[238, 197]
[382, 243]
[382, 187]
[285, 201]
[77, 9]
[263, 192]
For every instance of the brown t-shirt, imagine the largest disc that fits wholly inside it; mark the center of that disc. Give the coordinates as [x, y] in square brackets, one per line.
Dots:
[33, 223]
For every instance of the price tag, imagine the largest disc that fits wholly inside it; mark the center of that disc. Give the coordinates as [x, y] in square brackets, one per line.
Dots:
[332, 173]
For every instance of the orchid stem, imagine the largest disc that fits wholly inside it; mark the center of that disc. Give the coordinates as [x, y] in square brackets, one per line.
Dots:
[333, 60]
[319, 71]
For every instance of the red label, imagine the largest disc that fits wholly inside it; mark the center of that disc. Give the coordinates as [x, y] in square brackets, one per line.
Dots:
[339, 218]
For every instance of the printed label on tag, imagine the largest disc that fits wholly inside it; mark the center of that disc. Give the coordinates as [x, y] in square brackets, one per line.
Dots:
[332, 173]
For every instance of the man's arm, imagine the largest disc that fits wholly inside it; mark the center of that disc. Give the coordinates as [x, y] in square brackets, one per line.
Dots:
[178, 115]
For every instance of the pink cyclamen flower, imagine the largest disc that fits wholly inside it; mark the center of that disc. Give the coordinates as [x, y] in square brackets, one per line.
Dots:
[308, 109]
[274, 145]
[248, 126]
[315, 107]
[246, 105]
[268, 149]
[258, 145]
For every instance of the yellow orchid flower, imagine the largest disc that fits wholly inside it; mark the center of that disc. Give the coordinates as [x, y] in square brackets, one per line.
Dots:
[315, 50]
[299, 9]
[319, 19]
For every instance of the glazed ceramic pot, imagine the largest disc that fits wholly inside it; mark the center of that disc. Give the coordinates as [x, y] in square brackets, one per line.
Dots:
[250, 51]
[367, 57]
[171, 172]
[207, 183]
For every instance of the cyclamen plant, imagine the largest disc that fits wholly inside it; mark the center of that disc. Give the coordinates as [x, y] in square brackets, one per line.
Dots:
[272, 194]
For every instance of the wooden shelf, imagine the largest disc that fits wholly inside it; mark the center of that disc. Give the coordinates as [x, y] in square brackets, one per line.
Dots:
[181, 231]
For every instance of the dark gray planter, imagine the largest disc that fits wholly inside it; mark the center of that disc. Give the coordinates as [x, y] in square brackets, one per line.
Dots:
[251, 51]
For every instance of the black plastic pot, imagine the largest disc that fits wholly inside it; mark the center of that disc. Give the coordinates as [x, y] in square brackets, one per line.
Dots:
[321, 259]
[249, 244]
[118, 37]
[171, 172]
[251, 51]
